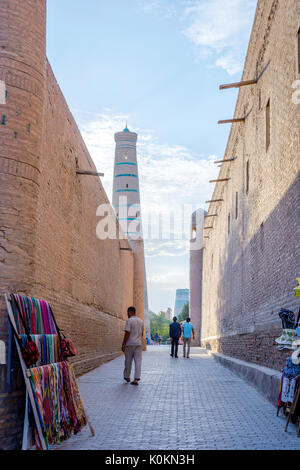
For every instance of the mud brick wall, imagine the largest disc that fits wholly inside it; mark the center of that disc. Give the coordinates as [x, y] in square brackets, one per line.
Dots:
[48, 243]
[257, 254]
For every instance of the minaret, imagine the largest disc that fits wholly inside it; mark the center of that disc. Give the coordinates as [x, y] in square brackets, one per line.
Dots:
[126, 202]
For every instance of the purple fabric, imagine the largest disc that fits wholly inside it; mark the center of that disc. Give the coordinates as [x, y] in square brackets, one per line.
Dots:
[51, 322]
[45, 317]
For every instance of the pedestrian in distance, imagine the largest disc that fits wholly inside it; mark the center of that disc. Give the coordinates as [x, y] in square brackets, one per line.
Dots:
[187, 331]
[175, 333]
[132, 345]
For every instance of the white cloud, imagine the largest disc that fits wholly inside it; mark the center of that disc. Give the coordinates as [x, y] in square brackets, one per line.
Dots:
[169, 280]
[171, 176]
[221, 28]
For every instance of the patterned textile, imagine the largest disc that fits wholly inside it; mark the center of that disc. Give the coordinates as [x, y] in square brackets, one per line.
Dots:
[290, 371]
[48, 346]
[59, 402]
[287, 338]
[36, 315]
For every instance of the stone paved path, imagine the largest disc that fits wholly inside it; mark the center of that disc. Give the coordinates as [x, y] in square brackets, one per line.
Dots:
[180, 404]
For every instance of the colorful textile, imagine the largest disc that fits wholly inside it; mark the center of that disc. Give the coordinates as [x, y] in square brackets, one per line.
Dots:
[48, 346]
[290, 371]
[59, 403]
[36, 315]
[287, 338]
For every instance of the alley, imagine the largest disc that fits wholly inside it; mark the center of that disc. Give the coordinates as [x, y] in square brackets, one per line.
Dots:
[180, 404]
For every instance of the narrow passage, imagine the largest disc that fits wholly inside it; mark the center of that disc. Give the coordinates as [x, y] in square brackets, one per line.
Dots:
[180, 404]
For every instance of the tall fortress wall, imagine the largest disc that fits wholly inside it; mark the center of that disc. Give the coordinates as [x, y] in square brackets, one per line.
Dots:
[48, 243]
[252, 257]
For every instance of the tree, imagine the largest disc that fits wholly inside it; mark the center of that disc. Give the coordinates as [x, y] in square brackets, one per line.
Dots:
[160, 325]
[185, 312]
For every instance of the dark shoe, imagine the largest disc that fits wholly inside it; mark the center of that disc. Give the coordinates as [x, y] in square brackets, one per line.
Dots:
[127, 380]
[176, 357]
[135, 382]
[171, 355]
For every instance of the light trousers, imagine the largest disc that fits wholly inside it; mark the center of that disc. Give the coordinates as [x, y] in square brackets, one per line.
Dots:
[133, 353]
[186, 342]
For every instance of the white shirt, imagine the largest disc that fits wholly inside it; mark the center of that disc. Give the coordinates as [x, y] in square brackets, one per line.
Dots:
[136, 328]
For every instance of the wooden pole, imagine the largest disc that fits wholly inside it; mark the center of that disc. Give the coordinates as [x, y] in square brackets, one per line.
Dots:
[220, 180]
[227, 121]
[238, 84]
[212, 215]
[87, 172]
[225, 161]
[207, 228]
[214, 200]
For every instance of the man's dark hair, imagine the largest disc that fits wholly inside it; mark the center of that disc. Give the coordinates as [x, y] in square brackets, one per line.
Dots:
[131, 309]
[188, 320]
[174, 318]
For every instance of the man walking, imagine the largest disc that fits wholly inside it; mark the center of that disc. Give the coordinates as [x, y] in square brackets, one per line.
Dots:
[187, 330]
[175, 333]
[132, 345]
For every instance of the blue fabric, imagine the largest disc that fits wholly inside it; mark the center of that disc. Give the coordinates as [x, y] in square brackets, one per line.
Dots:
[187, 330]
[290, 371]
[175, 330]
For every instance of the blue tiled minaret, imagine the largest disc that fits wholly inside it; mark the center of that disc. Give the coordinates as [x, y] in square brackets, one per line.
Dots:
[126, 202]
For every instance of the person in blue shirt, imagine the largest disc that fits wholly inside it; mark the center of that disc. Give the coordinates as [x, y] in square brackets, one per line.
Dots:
[175, 333]
[187, 331]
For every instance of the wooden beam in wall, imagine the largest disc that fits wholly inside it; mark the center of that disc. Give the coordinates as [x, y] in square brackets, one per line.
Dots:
[227, 121]
[220, 180]
[88, 172]
[207, 228]
[226, 160]
[214, 200]
[238, 84]
[212, 215]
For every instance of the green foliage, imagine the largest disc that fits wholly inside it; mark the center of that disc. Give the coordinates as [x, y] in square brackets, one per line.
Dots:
[160, 325]
[185, 312]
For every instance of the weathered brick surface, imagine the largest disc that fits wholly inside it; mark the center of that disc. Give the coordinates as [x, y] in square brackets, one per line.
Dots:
[48, 243]
[257, 261]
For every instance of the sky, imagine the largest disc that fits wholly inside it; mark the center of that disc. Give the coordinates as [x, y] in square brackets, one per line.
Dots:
[156, 64]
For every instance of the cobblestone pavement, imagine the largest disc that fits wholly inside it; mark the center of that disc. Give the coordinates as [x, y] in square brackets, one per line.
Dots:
[180, 404]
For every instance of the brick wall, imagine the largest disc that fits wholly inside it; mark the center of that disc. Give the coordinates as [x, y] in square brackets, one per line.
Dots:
[257, 258]
[48, 243]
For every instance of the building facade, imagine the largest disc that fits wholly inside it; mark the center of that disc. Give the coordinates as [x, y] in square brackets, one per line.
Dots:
[48, 243]
[252, 256]
[196, 271]
[181, 299]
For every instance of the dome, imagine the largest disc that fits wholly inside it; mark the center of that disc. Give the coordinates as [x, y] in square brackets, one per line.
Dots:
[126, 129]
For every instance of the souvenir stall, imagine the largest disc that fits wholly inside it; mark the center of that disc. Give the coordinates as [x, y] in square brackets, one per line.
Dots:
[54, 410]
[289, 392]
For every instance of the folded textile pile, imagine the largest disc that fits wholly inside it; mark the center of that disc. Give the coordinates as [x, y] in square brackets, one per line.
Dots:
[287, 338]
[58, 402]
